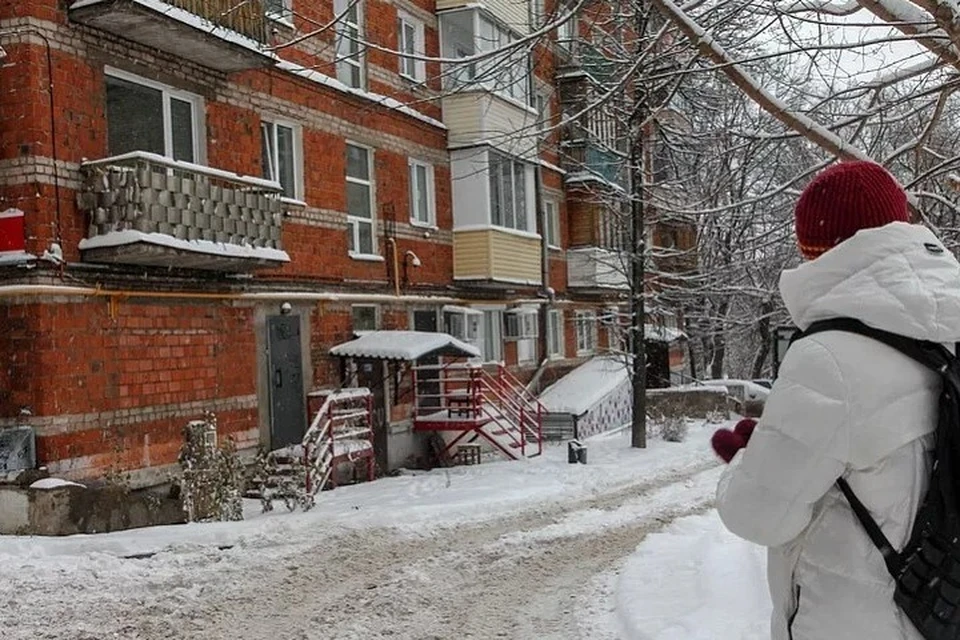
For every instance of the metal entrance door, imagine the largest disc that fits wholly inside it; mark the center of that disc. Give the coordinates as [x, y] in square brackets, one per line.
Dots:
[288, 411]
[370, 375]
[428, 381]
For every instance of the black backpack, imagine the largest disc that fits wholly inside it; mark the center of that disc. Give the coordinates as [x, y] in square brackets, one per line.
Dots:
[927, 570]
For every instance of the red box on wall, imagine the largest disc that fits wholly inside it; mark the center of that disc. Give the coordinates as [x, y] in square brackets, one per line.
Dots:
[11, 230]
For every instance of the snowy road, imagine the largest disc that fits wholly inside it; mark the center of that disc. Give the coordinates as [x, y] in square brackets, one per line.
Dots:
[513, 573]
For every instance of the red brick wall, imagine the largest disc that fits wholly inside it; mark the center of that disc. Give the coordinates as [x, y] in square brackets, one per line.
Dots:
[111, 373]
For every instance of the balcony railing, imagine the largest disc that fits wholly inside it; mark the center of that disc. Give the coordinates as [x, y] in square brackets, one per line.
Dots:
[227, 35]
[150, 210]
[247, 18]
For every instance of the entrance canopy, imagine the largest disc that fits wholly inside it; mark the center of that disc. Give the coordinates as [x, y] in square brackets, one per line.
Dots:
[404, 345]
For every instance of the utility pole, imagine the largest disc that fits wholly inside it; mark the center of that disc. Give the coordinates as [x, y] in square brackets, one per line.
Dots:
[638, 247]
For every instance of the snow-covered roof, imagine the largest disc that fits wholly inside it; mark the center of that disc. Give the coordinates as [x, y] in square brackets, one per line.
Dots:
[665, 334]
[404, 345]
[579, 390]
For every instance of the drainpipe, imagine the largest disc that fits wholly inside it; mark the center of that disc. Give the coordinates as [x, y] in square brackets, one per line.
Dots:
[396, 266]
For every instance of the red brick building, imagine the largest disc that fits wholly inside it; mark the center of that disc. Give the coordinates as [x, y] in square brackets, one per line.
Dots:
[200, 200]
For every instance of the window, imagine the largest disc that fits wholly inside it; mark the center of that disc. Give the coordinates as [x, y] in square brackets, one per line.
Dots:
[492, 336]
[410, 44]
[349, 36]
[586, 332]
[360, 200]
[462, 323]
[555, 345]
[145, 116]
[508, 192]
[551, 222]
[567, 31]
[521, 325]
[538, 13]
[366, 317]
[422, 204]
[469, 33]
[541, 102]
[279, 9]
[280, 146]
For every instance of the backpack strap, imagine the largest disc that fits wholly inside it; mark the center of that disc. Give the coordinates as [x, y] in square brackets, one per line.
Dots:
[929, 354]
[890, 555]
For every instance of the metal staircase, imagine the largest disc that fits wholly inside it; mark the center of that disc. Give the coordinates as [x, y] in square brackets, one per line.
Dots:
[341, 431]
[478, 405]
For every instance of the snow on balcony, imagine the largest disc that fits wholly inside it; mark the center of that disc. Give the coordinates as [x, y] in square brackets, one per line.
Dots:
[221, 34]
[146, 209]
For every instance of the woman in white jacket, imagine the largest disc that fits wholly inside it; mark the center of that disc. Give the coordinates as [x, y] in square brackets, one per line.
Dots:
[845, 405]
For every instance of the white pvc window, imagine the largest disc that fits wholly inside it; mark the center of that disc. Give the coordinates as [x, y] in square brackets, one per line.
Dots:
[360, 201]
[282, 156]
[148, 116]
[410, 43]
[508, 192]
[586, 322]
[555, 344]
[422, 199]
[349, 29]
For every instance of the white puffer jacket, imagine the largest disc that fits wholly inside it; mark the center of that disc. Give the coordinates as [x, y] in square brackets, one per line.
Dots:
[846, 405]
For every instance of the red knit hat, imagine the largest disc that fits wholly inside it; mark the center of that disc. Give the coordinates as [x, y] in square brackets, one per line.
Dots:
[842, 200]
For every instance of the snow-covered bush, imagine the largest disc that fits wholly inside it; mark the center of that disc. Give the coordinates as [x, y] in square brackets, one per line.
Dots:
[673, 429]
[716, 417]
[212, 476]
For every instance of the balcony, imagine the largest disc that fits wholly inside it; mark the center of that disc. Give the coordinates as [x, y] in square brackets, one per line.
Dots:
[149, 210]
[495, 254]
[596, 268]
[221, 34]
[590, 162]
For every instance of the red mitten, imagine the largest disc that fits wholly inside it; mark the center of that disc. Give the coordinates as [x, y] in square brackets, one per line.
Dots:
[745, 428]
[726, 443]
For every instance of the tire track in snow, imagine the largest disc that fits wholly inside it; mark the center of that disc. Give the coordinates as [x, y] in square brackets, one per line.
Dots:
[514, 576]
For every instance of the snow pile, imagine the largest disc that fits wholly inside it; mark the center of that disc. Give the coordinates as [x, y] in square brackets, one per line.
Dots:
[694, 581]
[585, 386]
[46, 484]
[15, 257]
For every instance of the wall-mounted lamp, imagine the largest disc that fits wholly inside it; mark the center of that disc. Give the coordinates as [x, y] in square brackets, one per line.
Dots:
[286, 308]
[410, 259]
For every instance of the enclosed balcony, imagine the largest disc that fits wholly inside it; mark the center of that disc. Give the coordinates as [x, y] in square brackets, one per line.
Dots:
[225, 35]
[597, 268]
[146, 209]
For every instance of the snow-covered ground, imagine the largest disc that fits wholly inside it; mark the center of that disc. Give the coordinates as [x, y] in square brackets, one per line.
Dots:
[537, 549]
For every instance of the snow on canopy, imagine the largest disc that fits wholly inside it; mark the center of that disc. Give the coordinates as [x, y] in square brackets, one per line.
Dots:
[404, 345]
[588, 384]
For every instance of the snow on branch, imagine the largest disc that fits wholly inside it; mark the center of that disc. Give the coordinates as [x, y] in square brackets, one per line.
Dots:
[713, 50]
[828, 7]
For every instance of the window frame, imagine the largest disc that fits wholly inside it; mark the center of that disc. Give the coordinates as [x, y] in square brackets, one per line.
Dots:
[431, 221]
[297, 151]
[498, 71]
[284, 15]
[353, 221]
[551, 223]
[376, 316]
[588, 320]
[197, 111]
[556, 346]
[497, 199]
[419, 47]
[345, 63]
